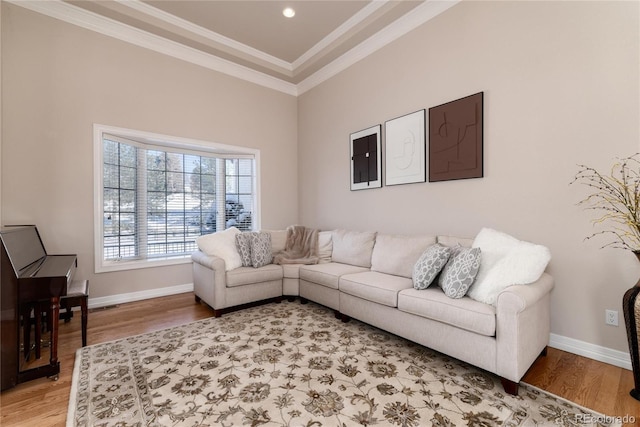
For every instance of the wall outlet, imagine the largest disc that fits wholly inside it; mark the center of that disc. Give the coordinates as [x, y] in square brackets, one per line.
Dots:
[611, 317]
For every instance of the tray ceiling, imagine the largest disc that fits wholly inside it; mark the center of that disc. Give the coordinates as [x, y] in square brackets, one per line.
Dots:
[252, 39]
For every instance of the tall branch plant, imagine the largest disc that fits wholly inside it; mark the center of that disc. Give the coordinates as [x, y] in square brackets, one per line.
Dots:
[616, 198]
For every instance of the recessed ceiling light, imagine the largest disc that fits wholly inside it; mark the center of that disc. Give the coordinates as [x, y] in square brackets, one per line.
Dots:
[289, 12]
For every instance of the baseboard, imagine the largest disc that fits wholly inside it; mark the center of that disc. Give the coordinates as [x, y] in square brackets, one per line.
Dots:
[138, 296]
[602, 354]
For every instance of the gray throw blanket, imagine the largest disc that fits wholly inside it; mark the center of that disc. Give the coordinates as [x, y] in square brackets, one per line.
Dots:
[301, 246]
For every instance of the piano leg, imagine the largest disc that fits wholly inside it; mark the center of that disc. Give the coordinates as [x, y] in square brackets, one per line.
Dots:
[55, 311]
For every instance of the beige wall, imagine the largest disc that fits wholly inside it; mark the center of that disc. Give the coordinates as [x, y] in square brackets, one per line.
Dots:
[560, 82]
[58, 80]
[561, 87]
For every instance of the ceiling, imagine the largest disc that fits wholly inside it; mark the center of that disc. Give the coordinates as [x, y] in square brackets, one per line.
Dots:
[251, 38]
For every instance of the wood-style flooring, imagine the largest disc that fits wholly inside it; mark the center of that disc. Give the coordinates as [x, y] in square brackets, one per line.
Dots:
[43, 402]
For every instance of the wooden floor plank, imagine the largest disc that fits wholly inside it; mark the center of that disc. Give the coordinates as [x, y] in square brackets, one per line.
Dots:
[42, 402]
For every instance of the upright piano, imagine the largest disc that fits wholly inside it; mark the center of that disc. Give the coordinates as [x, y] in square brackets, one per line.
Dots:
[28, 275]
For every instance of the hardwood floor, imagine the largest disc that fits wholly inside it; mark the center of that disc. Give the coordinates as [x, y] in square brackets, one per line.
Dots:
[42, 402]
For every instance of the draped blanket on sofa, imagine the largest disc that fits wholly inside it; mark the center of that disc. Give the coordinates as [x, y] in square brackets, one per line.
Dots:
[301, 246]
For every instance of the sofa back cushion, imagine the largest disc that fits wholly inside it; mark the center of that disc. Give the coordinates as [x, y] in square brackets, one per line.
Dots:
[278, 240]
[353, 247]
[398, 254]
[452, 241]
[325, 246]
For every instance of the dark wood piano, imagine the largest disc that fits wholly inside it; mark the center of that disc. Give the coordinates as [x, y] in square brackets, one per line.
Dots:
[29, 275]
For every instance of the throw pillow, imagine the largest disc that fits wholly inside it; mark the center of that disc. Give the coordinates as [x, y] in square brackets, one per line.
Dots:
[429, 265]
[261, 249]
[460, 272]
[243, 243]
[223, 245]
[506, 261]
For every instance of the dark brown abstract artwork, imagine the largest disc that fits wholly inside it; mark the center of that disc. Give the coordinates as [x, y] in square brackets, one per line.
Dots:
[455, 139]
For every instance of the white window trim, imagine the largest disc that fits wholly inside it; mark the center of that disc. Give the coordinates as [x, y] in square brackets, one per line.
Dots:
[102, 266]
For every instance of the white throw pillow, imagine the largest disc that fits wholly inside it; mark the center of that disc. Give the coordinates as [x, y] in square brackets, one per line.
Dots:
[505, 261]
[223, 245]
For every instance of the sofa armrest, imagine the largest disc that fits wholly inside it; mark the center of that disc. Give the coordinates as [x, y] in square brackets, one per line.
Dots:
[210, 261]
[209, 279]
[523, 326]
[517, 298]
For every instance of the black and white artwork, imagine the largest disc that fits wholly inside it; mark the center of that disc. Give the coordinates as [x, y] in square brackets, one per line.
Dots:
[405, 149]
[366, 165]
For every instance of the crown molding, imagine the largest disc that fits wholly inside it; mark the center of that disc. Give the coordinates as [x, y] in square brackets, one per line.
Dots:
[413, 19]
[73, 15]
[203, 32]
[89, 20]
[350, 23]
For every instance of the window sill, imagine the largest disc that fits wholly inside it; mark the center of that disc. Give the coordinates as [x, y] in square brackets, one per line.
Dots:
[109, 266]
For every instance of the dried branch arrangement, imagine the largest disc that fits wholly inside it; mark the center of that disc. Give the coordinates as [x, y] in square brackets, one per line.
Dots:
[617, 198]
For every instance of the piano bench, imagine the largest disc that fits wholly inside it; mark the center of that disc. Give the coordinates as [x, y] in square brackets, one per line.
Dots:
[77, 295]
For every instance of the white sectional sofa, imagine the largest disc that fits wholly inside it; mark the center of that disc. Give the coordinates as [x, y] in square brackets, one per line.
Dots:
[368, 276]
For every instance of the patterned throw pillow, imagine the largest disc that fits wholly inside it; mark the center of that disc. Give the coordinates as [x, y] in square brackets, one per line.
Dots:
[460, 272]
[261, 249]
[243, 243]
[429, 265]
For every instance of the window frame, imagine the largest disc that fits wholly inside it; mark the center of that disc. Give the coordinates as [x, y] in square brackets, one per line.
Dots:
[169, 142]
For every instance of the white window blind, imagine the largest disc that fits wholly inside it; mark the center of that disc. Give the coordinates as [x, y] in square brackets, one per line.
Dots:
[157, 199]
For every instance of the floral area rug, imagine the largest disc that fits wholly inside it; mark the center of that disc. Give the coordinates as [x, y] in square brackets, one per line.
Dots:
[290, 364]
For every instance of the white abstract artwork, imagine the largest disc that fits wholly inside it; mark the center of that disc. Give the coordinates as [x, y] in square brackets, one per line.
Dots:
[405, 146]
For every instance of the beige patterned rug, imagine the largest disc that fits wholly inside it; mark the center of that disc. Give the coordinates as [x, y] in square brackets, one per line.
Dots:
[294, 365]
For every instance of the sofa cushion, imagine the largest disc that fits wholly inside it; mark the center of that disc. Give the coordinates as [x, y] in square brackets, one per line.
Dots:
[325, 246]
[505, 261]
[223, 245]
[463, 313]
[249, 275]
[353, 247]
[398, 254]
[261, 254]
[327, 274]
[291, 271]
[460, 272]
[374, 286]
[429, 265]
[452, 241]
[278, 239]
[243, 244]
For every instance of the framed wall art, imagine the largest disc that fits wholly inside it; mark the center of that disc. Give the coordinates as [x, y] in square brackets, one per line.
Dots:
[405, 149]
[455, 139]
[366, 165]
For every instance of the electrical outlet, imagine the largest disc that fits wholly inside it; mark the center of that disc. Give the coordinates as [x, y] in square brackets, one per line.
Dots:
[611, 317]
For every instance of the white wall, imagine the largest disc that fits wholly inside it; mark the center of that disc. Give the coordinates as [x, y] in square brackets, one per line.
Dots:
[58, 80]
[560, 82]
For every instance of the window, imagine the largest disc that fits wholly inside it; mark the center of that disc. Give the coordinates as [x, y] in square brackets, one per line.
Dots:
[157, 195]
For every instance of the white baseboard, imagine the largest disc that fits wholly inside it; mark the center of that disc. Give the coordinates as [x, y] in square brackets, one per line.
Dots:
[603, 354]
[138, 296]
